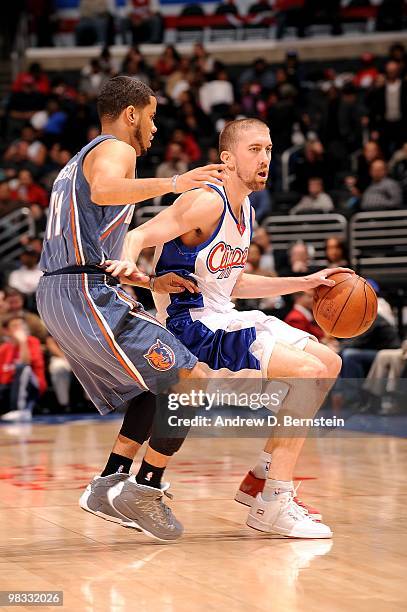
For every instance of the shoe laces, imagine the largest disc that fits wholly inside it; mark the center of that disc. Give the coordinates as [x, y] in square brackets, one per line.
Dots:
[294, 510]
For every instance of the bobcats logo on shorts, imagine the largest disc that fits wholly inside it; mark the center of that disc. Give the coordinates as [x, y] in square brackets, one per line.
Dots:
[160, 356]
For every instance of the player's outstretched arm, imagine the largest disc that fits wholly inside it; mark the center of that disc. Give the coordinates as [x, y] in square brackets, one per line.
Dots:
[187, 213]
[254, 286]
[109, 170]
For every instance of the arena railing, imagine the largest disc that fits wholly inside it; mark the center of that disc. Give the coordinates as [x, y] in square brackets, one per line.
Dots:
[13, 227]
[312, 229]
[378, 245]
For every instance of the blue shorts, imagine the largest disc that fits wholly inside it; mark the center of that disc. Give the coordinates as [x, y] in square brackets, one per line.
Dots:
[115, 348]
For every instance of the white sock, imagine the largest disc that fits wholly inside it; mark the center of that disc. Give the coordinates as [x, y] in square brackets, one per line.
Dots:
[262, 466]
[275, 487]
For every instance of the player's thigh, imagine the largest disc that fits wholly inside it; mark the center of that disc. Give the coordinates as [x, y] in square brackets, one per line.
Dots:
[329, 358]
[288, 361]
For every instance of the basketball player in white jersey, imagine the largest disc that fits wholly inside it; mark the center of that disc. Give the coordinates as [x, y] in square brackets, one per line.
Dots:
[205, 235]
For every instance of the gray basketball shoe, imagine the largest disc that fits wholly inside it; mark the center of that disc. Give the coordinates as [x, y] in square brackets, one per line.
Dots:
[120, 499]
[144, 508]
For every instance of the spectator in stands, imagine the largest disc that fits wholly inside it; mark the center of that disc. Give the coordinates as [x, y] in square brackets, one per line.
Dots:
[298, 262]
[390, 15]
[310, 162]
[93, 26]
[216, 95]
[187, 143]
[7, 203]
[262, 238]
[22, 105]
[201, 60]
[228, 7]
[336, 252]
[301, 317]
[145, 21]
[261, 202]
[176, 162]
[179, 81]
[290, 12]
[52, 121]
[60, 372]
[383, 193]
[15, 306]
[92, 79]
[382, 382]
[29, 192]
[40, 80]
[398, 169]
[316, 201]
[368, 73]
[397, 53]
[134, 65]
[388, 109]
[22, 371]
[331, 11]
[371, 152]
[26, 151]
[259, 72]
[27, 276]
[167, 62]
[260, 9]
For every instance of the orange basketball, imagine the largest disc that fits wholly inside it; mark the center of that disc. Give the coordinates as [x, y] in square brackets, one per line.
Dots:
[348, 309]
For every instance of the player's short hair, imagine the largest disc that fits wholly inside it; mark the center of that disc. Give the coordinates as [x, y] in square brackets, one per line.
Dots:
[120, 92]
[229, 136]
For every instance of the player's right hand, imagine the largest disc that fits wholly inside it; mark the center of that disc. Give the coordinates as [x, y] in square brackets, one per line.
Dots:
[198, 177]
[127, 272]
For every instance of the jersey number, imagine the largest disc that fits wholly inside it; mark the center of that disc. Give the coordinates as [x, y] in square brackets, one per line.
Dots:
[54, 215]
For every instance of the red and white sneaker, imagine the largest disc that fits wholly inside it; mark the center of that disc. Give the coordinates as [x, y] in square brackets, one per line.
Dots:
[251, 486]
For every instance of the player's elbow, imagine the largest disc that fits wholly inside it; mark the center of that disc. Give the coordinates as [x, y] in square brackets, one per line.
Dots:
[99, 195]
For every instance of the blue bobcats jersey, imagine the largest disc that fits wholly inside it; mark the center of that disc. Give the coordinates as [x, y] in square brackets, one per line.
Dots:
[79, 232]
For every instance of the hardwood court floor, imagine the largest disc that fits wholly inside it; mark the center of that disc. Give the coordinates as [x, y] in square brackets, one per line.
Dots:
[47, 542]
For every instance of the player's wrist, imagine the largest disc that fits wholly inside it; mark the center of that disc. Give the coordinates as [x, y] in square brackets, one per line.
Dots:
[174, 181]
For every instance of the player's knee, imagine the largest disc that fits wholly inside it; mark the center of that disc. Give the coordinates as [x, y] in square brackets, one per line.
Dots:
[335, 364]
[313, 368]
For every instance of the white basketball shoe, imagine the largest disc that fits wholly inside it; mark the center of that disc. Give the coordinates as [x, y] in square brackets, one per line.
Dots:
[282, 516]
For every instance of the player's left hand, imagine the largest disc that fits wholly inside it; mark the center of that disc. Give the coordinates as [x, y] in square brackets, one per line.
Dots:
[172, 283]
[322, 277]
[127, 272]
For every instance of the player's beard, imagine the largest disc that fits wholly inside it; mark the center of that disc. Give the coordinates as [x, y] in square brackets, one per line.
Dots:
[253, 184]
[139, 139]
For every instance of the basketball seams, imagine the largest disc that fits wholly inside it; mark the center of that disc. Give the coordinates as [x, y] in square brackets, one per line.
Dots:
[366, 303]
[321, 299]
[344, 304]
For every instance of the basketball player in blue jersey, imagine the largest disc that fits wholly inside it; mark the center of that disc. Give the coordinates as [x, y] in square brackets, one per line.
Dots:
[205, 235]
[116, 349]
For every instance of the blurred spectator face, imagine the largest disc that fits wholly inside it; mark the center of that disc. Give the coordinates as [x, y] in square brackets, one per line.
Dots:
[251, 157]
[314, 150]
[14, 300]
[371, 151]
[3, 303]
[64, 157]
[261, 237]
[28, 134]
[315, 187]
[25, 178]
[4, 191]
[178, 136]
[305, 299]
[213, 155]
[93, 132]
[334, 250]
[299, 253]
[27, 84]
[392, 71]
[378, 170]
[174, 152]
[35, 245]
[281, 76]
[15, 326]
[29, 259]
[254, 256]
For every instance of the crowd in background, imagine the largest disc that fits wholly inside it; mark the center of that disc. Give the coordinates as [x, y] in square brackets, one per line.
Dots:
[348, 133]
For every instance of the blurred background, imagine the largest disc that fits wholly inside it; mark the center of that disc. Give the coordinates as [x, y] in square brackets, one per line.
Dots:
[328, 77]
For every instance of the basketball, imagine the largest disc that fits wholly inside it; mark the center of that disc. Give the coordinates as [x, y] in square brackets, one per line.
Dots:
[348, 309]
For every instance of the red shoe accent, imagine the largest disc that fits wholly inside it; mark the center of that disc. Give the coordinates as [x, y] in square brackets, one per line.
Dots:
[251, 486]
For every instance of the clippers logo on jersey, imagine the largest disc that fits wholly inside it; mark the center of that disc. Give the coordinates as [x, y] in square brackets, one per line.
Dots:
[222, 258]
[160, 356]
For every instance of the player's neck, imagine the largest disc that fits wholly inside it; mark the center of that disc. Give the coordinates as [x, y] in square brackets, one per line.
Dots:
[115, 129]
[236, 192]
